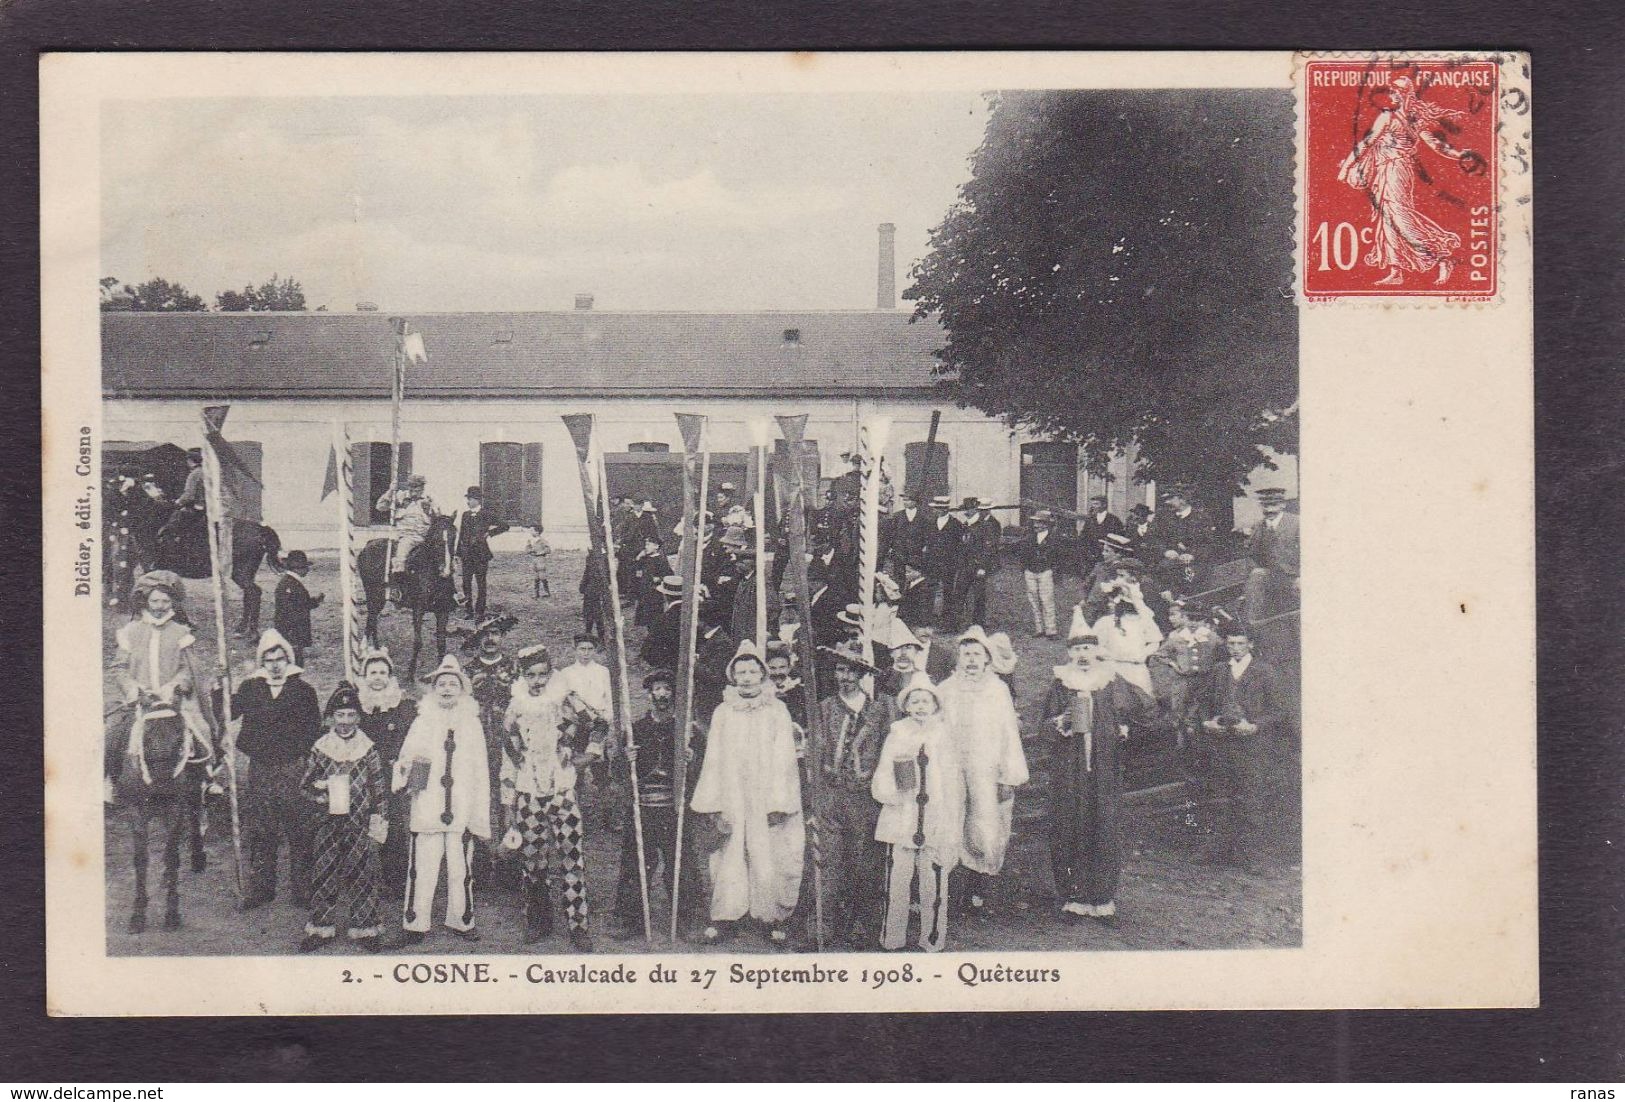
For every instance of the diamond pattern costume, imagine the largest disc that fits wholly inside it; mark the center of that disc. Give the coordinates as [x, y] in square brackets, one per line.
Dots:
[345, 863]
[538, 780]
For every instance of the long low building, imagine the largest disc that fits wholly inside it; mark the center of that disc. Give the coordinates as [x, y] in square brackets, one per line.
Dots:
[486, 407]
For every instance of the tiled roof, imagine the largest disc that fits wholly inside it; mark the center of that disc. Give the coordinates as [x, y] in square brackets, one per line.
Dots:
[577, 352]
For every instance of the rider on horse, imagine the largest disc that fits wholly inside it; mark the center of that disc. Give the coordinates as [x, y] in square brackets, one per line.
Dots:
[414, 511]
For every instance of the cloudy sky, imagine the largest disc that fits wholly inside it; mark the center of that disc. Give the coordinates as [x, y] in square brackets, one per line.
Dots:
[711, 202]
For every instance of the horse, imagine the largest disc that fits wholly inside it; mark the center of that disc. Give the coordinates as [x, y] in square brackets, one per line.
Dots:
[428, 586]
[164, 782]
[252, 544]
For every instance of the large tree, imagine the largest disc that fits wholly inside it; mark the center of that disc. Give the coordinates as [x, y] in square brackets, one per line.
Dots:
[1118, 269]
[155, 294]
[270, 295]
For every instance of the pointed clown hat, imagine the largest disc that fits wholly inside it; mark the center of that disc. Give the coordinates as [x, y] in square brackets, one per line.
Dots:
[1080, 629]
[747, 652]
[975, 634]
[919, 682]
[449, 665]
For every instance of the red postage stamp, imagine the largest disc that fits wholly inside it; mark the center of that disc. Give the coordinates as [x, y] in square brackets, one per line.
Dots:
[1399, 178]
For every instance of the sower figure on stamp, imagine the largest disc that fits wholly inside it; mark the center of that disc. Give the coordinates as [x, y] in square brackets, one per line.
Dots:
[750, 783]
[157, 675]
[386, 715]
[987, 734]
[281, 719]
[920, 787]
[539, 795]
[1091, 707]
[654, 736]
[444, 767]
[345, 777]
[854, 729]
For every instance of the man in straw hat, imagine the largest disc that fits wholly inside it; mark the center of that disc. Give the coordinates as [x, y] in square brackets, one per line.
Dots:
[854, 727]
[281, 719]
[1272, 585]
[345, 777]
[940, 559]
[443, 766]
[1091, 708]
[750, 786]
[987, 733]
[1038, 552]
[976, 562]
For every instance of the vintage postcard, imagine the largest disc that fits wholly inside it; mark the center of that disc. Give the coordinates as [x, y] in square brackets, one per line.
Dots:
[764, 532]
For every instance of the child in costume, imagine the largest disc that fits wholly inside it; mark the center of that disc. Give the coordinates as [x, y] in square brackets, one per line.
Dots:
[492, 675]
[538, 779]
[921, 790]
[987, 733]
[444, 767]
[294, 602]
[157, 676]
[751, 784]
[344, 775]
[539, 551]
[386, 715]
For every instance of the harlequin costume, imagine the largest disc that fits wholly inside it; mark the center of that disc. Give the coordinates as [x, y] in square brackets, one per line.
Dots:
[923, 838]
[345, 776]
[451, 808]
[538, 781]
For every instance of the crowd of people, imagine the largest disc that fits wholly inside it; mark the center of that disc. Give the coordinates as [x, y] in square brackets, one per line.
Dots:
[878, 834]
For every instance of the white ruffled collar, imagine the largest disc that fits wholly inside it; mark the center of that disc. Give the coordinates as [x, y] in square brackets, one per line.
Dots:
[349, 749]
[386, 699]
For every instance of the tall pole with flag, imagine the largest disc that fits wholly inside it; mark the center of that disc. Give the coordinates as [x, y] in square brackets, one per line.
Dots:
[341, 482]
[696, 472]
[590, 461]
[794, 428]
[408, 349]
[214, 421]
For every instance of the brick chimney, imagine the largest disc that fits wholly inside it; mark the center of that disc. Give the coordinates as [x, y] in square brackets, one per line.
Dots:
[584, 300]
[886, 274]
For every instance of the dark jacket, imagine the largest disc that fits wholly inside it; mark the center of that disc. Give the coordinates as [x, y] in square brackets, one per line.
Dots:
[979, 548]
[387, 728]
[1169, 531]
[903, 541]
[1276, 549]
[473, 536]
[1258, 697]
[942, 547]
[864, 738]
[277, 729]
[1090, 533]
[1037, 557]
[293, 605]
[656, 753]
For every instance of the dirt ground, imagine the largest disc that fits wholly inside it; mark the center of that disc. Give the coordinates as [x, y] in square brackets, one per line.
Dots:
[1170, 898]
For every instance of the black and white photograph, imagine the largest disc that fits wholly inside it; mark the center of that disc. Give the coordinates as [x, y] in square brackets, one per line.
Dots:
[756, 522]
